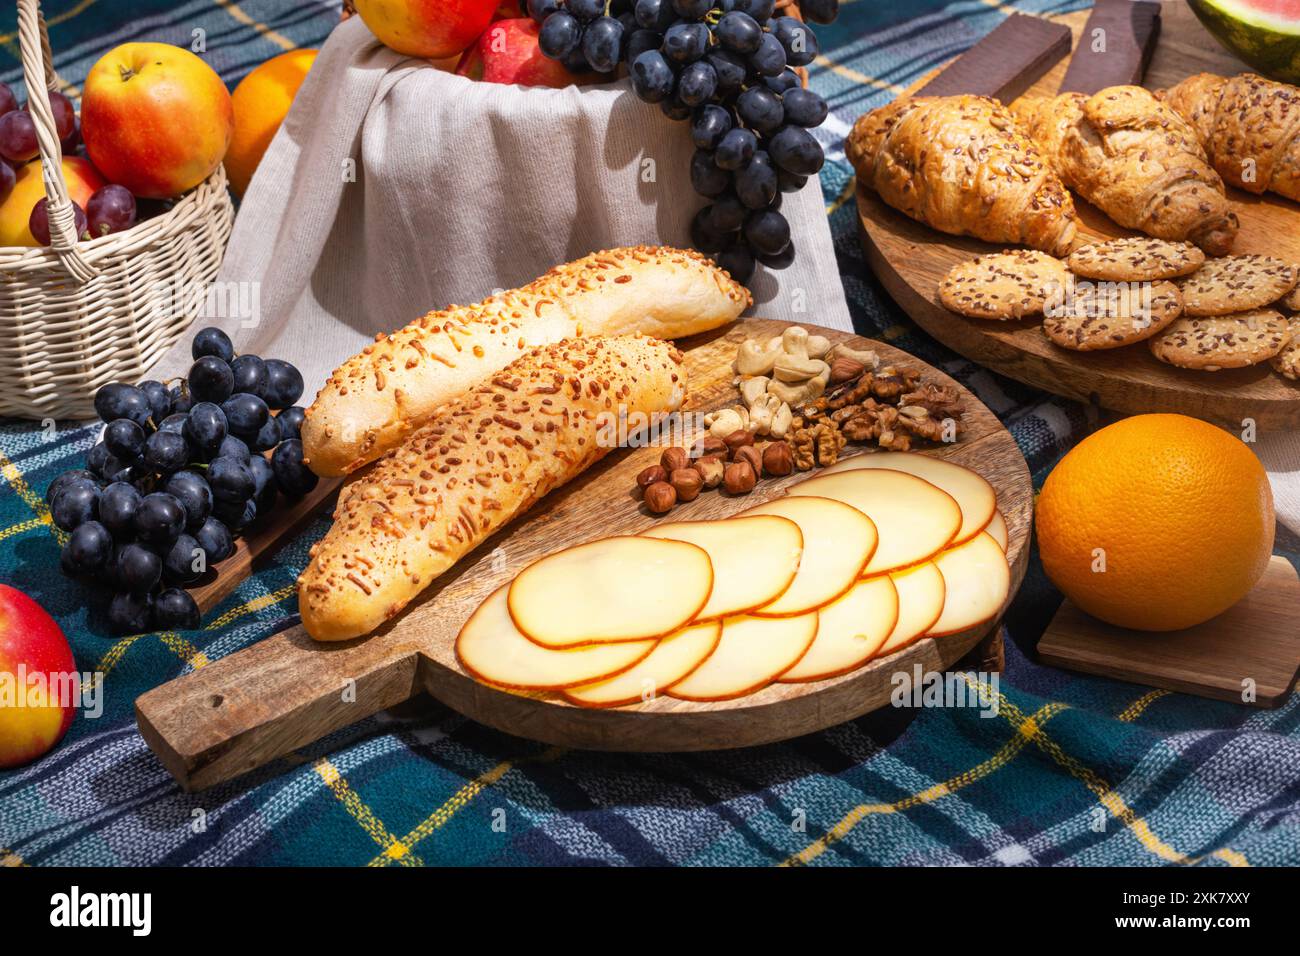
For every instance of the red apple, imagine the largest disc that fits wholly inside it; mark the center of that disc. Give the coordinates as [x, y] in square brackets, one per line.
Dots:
[155, 118]
[35, 664]
[508, 53]
[434, 29]
[15, 212]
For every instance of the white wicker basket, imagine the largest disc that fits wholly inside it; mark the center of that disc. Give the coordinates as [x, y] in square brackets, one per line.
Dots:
[76, 315]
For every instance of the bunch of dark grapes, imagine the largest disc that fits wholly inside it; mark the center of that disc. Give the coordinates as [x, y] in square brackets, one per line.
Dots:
[178, 473]
[727, 66]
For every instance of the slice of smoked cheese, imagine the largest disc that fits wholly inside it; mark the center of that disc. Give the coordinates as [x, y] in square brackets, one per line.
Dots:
[920, 602]
[622, 588]
[838, 540]
[754, 559]
[753, 652]
[997, 530]
[915, 520]
[850, 631]
[490, 647]
[976, 581]
[973, 494]
[675, 656]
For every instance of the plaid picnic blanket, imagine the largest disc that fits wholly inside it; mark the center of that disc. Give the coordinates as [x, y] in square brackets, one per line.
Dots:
[1071, 770]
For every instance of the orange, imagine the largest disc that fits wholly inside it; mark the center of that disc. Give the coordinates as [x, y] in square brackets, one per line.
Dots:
[1156, 522]
[261, 100]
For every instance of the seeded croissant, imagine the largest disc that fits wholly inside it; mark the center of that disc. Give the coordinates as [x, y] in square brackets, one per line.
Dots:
[1249, 126]
[1135, 159]
[961, 165]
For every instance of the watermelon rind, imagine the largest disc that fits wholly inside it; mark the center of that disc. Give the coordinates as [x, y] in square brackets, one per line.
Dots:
[1264, 33]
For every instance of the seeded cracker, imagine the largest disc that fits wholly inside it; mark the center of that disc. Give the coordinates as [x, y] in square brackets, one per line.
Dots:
[1109, 315]
[1004, 285]
[1287, 362]
[1224, 341]
[1236, 284]
[1135, 260]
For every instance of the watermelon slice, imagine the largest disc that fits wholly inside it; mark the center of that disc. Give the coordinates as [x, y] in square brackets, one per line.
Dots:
[1264, 33]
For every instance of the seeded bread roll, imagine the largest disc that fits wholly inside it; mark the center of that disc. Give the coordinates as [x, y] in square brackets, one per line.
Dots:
[473, 467]
[377, 398]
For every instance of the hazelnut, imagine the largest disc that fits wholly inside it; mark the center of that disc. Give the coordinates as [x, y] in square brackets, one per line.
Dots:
[778, 458]
[751, 456]
[739, 478]
[710, 468]
[673, 459]
[687, 482]
[649, 476]
[660, 497]
[738, 439]
[709, 445]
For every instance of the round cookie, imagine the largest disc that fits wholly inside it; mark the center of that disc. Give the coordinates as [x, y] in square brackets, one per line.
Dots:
[1211, 343]
[1108, 315]
[1236, 284]
[1287, 362]
[1292, 299]
[1004, 285]
[1138, 259]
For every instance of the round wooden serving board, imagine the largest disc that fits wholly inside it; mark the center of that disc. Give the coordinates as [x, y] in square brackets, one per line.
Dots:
[239, 712]
[911, 260]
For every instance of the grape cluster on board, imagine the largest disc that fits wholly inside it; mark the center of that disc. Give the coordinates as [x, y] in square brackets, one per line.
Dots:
[110, 208]
[178, 473]
[727, 66]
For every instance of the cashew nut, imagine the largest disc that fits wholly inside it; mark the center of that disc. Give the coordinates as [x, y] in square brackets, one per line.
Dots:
[791, 368]
[797, 394]
[818, 346]
[794, 341]
[752, 389]
[762, 412]
[781, 421]
[755, 358]
[725, 421]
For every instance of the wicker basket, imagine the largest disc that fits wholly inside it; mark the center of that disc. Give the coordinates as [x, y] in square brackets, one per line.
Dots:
[77, 315]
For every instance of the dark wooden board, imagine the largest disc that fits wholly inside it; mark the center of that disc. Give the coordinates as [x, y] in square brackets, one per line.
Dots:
[911, 260]
[241, 711]
[1256, 640]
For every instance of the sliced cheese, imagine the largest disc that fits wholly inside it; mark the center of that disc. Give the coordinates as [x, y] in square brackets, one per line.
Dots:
[622, 588]
[753, 652]
[850, 631]
[973, 494]
[838, 540]
[976, 581]
[914, 519]
[997, 530]
[754, 559]
[490, 647]
[672, 659]
[921, 593]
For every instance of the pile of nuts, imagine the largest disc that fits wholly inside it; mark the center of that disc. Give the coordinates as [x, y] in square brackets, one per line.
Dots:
[734, 464]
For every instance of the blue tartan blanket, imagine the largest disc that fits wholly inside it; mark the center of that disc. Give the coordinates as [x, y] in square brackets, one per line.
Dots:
[1071, 770]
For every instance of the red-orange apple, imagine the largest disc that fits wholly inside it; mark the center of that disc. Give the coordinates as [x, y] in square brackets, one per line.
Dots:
[155, 118]
[434, 29]
[508, 53]
[29, 189]
[35, 664]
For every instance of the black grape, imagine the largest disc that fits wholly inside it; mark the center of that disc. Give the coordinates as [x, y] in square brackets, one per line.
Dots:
[820, 11]
[294, 478]
[655, 15]
[159, 519]
[250, 375]
[736, 149]
[560, 35]
[211, 380]
[138, 569]
[205, 429]
[797, 39]
[166, 452]
[686, 42]
[212, 341]
[804, 108]
[195, 497]
[88, 549]
[75, 505]
[175, 610]
[125, 439]
[769, 58]
[708, 126]
[767, 232]
[284, 384]
[601, 44]
[130, 613]
[738, 261]
[539, 10]
[760, 109]
[652, 77]
[739, 31]
[697, 83]
[756, 184]
[180, 559]
[289, 422]
[706, 178]
[118, 504]
[215, 540]
[794, 149]
[585, 9]
[116, 400]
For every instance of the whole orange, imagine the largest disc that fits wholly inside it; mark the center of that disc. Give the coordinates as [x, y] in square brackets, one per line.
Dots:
[261, 101]
[1157, 522]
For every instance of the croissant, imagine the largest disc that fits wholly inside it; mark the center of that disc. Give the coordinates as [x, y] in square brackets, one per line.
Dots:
[961, 165]
[1249, 126]
[1137, 160]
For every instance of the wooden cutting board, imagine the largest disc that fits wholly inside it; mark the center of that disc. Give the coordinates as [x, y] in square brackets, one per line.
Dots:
[911, 260]
[242, 711]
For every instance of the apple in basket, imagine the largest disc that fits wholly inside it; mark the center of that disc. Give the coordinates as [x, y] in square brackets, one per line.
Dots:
[36, 672]
[155, 118]
[508, 53]
[434, 29]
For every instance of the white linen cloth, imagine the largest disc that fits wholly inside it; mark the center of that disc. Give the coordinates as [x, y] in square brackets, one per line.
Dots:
[394, 188]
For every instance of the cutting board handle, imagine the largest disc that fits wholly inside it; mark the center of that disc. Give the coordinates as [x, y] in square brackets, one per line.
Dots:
[256, 705]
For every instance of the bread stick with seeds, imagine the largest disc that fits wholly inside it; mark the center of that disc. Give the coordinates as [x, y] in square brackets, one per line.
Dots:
[474, 466]
[377, 398]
